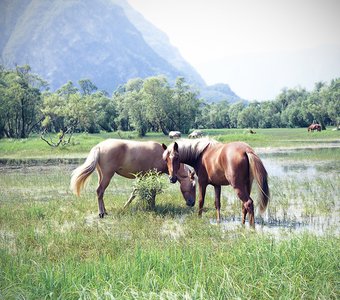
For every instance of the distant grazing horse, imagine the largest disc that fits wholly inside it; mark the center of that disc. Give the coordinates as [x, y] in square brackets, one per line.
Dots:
[219, 164]
[313, 127]
[174, 134]
[127, 158]
[195, 134]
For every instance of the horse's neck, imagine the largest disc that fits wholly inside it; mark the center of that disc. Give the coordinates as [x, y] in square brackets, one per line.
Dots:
[190, 154]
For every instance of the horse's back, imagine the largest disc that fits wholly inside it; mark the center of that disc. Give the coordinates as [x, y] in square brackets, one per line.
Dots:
[127, 157]
[227, 163]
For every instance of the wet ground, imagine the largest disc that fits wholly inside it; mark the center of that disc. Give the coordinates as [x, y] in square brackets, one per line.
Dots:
[305, 192]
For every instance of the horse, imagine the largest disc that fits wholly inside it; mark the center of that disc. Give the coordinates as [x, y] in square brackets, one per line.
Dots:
[174, 134]
[195, 134]
[218, 164]
[313, 127]
[127, 158]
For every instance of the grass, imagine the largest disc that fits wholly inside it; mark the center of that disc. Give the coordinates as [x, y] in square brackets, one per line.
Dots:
[54, 246]
[35, 148]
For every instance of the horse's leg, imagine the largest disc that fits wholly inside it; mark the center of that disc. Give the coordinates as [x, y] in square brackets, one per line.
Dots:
[104, 181]
[218, 202]
[248, 205]
[244, 214]
[201, 196]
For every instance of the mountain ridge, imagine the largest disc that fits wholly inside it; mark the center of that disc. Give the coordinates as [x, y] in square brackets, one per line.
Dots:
[106, 41]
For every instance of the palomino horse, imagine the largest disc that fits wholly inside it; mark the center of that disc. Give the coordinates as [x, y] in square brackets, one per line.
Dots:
[127, 158]
[219, 164]
[313, 127]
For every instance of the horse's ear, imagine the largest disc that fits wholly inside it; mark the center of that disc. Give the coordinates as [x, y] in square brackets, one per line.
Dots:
[164, 146]
[176, 147]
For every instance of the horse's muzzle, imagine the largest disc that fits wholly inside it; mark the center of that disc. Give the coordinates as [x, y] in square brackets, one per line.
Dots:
[190, 202]
[173, 179]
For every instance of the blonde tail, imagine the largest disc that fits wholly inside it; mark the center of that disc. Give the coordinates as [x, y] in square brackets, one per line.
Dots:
[259, 172]
[82, 173]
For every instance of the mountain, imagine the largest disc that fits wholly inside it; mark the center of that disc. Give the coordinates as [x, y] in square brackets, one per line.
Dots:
[219, 92]
[160, 43]
[106, 41]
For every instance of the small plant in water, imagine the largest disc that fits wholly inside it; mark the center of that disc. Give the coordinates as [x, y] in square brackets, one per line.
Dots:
[147, 186]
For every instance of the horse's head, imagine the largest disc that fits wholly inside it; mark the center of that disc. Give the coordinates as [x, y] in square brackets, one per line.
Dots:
[171, 157]
[188, 185]
[182, 173]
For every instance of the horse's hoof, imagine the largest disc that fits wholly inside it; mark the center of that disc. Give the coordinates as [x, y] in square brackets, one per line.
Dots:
[101, 215]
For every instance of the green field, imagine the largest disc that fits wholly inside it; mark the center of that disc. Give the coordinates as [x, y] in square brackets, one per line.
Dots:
[80, 144]
[54, 246]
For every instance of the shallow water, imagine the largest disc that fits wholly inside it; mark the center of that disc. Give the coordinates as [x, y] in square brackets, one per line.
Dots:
[305, 194]
[319, 225]
[288, 162]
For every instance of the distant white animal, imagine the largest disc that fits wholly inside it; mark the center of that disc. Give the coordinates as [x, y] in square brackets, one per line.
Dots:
[174, 134]
[195, 134]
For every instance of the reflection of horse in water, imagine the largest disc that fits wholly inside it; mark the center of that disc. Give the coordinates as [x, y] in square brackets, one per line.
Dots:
[218, 164]
[313, 127]
[127, 158]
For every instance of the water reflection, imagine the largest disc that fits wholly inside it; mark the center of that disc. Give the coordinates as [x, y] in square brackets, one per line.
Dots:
[289, 162]
[319, 225]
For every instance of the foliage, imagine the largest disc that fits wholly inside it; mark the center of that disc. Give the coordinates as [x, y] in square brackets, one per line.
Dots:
[150, 105]
[147, 186]
[20, 99]
[153, 105]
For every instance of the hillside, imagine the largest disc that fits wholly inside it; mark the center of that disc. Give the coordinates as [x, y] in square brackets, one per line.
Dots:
[106, 41]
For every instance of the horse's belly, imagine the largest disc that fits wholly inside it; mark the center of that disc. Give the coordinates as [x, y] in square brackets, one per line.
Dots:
[219, 181]
[126, 174]
[218, 178]
[130, 171]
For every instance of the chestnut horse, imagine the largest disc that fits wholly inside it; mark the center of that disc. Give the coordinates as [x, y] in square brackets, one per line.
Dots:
[127, 158]
[313, 127]
[219, 164]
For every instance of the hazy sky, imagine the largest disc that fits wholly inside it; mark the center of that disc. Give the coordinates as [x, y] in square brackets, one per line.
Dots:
[256, 46]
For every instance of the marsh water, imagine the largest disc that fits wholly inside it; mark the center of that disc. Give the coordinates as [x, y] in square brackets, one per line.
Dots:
[304, 183]
[305, 192]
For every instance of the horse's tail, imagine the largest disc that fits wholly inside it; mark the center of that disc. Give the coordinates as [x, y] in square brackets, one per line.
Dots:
[82, 173]
[259, 172]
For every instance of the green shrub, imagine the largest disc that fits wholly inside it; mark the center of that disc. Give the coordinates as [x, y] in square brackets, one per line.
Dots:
[147, 186]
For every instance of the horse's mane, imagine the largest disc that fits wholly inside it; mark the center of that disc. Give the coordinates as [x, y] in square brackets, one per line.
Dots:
[190, 150]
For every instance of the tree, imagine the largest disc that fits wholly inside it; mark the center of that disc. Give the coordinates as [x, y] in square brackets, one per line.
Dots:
[234, 111]
[20, 101]
[87, 87]
[270, 115]
[331, 101]
[249, 116]
[185, 106]
[157, 94]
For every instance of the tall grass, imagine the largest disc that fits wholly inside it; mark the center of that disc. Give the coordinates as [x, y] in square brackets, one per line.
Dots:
[54, 246]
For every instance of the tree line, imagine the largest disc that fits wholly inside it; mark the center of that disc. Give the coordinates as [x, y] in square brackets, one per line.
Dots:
[152, 104]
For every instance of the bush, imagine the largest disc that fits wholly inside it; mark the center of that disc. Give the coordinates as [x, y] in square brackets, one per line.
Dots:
[147, 186]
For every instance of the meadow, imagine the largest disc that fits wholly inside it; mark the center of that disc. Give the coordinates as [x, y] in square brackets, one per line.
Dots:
[54, 246]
